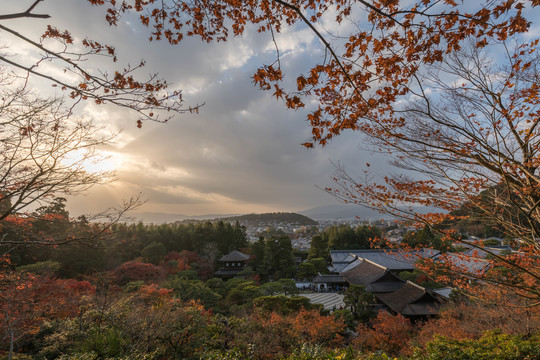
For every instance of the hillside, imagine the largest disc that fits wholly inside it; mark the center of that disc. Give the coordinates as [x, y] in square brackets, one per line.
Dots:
[269, 218]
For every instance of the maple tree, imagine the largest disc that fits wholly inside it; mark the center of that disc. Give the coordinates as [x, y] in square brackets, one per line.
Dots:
[268, 334]
[470, 319]
[27, 300]
[150, 98]
[360, 76]
[474, 142]
[388, 332]
[375, 65]
[46, 153]
[137, 271]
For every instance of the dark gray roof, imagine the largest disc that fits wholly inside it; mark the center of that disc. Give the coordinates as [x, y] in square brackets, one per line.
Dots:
[342, 255]
[328, 279]
[351, 265]
[393, 259]
[411, 300]
[385, 286]
[364, 273]
[464, 262]
[234, 255]
[488, 249]
[444, 292]
[421, 309]
[376, 278]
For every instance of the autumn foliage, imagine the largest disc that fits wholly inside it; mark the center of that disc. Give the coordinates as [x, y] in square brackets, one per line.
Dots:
[137, 271]
[417, 80]
[374, 66]
[448, 90]
[272, 335]
[388, 332]
[27, 301]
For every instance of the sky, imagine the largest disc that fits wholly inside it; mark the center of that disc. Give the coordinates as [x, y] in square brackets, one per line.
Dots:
[241, 154]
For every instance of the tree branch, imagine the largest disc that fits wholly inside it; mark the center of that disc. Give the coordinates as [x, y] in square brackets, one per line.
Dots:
[26, 14]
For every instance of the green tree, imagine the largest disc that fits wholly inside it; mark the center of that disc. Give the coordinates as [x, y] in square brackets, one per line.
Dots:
[257, 248]
[492, 345]
[278, 258]
[272, 288]
[360, 302]
[421, 238]
[154, 252]
[240, 297]
[320, 265]
[289, 286]
[318, 247]
[345, 237]
[284, 304]
[47, 268]
[186, 290]
[306, 271]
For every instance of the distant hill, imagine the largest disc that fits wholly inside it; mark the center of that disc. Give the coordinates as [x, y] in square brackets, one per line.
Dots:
[268, 218]
[352, 211]
[161, 218]
[342, 211]
[305, 217]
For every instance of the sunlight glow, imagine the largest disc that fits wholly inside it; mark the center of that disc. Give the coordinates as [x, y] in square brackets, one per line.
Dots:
[94, 162]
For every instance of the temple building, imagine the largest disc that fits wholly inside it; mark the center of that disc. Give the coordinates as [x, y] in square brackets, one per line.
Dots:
[232, 264]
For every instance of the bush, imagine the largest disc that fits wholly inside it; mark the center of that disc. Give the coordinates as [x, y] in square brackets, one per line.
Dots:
[154, 252]
[46, 268]
[283, 304]
[492, 345]
[137, 271]
[105, 342]
[133, 286]
[388, 333]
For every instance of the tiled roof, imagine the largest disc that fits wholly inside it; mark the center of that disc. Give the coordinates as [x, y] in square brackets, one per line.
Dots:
[328, 279]
[491, 249]
[393, 259]
[234, 255]
[411, 300]
[364, 273]
[385, 286]
[464, 263]
[341, 255]
[421, 309]
[444, 292]
[376, 278]
[351, 265]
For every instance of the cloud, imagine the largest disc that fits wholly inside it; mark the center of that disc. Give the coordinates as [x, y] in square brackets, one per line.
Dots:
[241, 154]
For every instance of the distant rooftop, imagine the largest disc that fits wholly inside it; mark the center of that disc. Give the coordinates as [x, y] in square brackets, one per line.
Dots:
[464, 262]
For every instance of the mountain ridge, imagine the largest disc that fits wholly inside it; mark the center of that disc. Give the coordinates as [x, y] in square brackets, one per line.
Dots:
[326, 212]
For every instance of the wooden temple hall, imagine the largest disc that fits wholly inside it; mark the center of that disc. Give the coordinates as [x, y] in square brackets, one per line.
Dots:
[367, 268]
[232, 264]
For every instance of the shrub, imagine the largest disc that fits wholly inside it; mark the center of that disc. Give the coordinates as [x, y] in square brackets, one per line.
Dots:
[46, 268]
[137, 271]
[492, 345]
